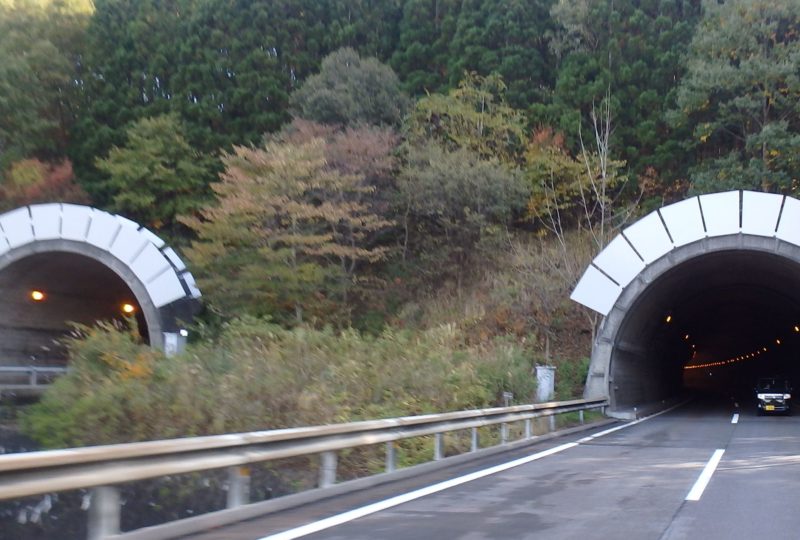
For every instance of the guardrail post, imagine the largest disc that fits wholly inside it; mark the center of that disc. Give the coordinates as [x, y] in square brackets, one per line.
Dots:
[474, 442]
[238, 486]
[528, 428]
[438, 450]
[580, 415]
[104, 513]
[391, 457]
[552, 419]
[327, 469]
[32, 377]
[503, 433]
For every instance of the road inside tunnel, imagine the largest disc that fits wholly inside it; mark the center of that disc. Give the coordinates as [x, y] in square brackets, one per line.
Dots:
[42, 293]
[711, 324]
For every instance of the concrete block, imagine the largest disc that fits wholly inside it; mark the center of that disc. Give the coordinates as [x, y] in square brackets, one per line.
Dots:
[684, 221]
[149, 263]
[16, 227]
[721, 213]
[75, 222]
[760, 213]
[164, 289]
[128, 244]
[102, 230]
[619, 261]
[596, 291]
[46, 220]
[649, 237]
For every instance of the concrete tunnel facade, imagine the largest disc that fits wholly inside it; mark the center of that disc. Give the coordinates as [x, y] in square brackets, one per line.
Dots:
[85, 265]
[700, 295]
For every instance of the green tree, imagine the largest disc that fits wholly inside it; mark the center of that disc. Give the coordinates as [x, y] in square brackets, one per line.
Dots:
[508, 37]
[636, 49]
[351, 90]
[426, 30]
[474, 116]
[739, 96]
[452, 201]
[41, 44]
[155, 175]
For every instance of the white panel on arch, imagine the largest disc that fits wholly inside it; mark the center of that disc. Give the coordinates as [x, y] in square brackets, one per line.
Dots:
[789, 227]
[103, 229]
[649, 237]
[127, 244]
[46, 220]
[596, 291]
[191, 284]
[17, 227]
[150, 235]
[149, 263]
[684, 221]
[760, 213]
[619, 261]
[164, 289]
[721, 212]
[4, 247]
[75, 222]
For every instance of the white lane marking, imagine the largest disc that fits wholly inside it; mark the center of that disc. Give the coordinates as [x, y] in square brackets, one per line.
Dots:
[735, 419]
[705, 476]
[351, 515]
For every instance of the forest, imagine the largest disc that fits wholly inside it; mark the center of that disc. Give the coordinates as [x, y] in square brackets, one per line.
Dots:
[386, 202]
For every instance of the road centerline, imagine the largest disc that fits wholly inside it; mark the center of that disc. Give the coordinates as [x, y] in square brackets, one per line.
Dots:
[705, 476]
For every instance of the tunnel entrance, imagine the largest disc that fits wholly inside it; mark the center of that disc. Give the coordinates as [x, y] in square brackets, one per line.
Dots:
[702, 295]
[712, 324]
[44, 292]
[62, 263]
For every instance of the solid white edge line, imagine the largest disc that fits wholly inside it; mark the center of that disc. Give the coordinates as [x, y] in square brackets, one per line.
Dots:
[735, 419]
[351, 515]
[705, 476]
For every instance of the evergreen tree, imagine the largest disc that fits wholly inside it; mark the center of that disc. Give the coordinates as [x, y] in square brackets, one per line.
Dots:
[634, 49]
[155, 175]
[508, 37]
[740, 96]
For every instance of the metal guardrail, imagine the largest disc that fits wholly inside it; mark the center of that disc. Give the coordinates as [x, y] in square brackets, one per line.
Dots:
[101, 467]
[33, 372]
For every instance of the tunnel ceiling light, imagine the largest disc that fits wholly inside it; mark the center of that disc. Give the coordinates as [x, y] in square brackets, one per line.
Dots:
[37, 296]
[668, 319]
[777, 342]
[797, 328]
[128, 308]
[686, 337]
[764, 349]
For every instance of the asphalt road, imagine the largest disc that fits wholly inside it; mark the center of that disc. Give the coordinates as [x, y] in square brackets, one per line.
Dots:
[632, 484]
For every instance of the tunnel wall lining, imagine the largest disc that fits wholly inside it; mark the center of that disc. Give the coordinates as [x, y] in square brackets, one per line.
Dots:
[665, 239]
[151, 269]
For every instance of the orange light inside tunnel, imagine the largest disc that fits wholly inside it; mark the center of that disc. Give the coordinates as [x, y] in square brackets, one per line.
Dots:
[37, 296]
[128, 308]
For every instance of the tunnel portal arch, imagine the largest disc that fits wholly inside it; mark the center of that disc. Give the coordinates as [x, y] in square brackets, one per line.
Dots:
[85, 262]
[706, 286]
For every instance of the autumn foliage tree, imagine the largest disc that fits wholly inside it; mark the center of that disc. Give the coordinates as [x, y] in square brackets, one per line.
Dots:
[288, 233]
[31, 181]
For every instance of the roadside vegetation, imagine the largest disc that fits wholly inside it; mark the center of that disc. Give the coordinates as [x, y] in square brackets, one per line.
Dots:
[385, 204]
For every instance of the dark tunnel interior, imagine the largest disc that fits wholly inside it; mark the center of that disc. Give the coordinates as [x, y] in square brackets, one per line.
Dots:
[711, 325]
[42, 293]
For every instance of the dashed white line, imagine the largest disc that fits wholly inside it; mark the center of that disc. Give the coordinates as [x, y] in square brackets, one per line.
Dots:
[345, 517]
[735, 419]
[705, 476]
